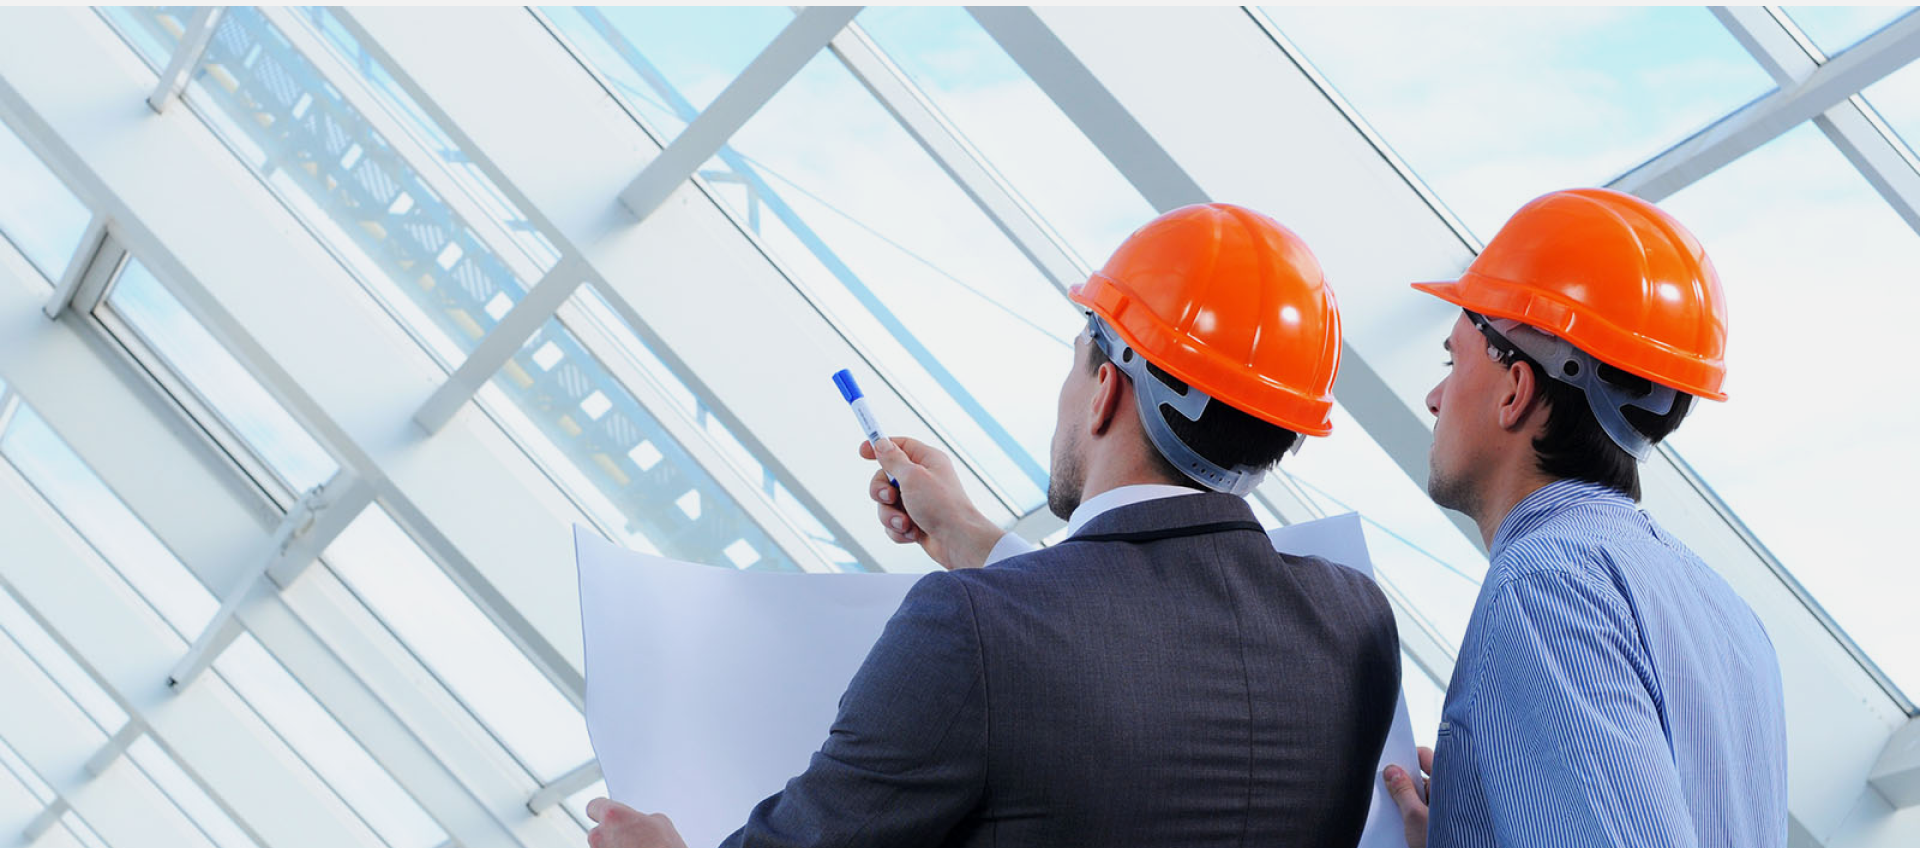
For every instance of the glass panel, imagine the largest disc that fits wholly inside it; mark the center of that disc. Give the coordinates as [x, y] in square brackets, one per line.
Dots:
[1013, 124]
[1897, 98]
[78, 827]
[902, 261]
[636, 48]
[345, 181]
[460, 644]
[37, 212]
[600, 444]
[455, 161]
[31, 781]
[642, 358]
[164, 582]
[192, 800]
[59, 665]
[106, 523]
[326, 746]
[1836, 28]
[187, 349]
[1812, 451]
[1493, 107]
[1415, 548]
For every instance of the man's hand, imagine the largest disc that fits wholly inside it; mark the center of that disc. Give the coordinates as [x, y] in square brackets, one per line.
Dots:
[621, 826]
[936, 513]
[1410, 793]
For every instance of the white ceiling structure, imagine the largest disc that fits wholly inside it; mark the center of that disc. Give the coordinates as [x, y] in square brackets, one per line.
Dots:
[319, 328]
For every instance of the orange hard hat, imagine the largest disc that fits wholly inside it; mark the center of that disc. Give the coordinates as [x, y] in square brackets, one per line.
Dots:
[1231, 303]
[1612, 275]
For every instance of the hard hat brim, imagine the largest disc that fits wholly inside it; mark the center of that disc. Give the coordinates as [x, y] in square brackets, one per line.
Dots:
[1452, 291]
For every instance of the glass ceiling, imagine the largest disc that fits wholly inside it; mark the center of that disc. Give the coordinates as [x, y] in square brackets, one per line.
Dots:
[906, 267]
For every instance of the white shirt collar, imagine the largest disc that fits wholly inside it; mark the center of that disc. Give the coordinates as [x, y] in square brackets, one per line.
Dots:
[1115, 498]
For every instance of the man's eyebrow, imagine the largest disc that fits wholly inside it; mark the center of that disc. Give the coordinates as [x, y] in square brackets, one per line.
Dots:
[1448, 344]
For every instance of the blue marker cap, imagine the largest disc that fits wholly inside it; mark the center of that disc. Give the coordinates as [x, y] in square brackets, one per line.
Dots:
[849, 390]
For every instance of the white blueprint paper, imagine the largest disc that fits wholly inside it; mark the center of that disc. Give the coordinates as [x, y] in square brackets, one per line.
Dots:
[1340, 539]
[708, 688]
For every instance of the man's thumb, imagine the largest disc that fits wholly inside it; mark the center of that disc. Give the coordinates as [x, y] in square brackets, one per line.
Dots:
[890, 456]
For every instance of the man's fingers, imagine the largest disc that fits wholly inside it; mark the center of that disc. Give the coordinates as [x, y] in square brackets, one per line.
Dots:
[866, 449]
[1405, 795]
[597, 809]
[881, 490]
[1426, 759]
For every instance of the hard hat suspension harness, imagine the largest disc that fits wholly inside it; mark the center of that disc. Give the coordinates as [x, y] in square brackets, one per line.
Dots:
[1153, 394]
[1508, 339]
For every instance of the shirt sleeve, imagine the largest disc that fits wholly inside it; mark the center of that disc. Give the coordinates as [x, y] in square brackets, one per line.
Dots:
[906, 758]
[1010, 545]
[1569, 742]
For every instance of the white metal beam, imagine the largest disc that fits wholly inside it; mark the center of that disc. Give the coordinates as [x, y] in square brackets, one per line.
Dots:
[564, 787]
[47, 818]
[797, 44]
[1759, 122]
[500, 344]
[116, 745]
[1087, 102]
[186, 56]
[950, 149]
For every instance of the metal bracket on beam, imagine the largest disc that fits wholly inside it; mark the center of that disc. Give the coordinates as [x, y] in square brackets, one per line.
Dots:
[587, 774]
[314, 522]
[1763, 120]
[803, 38]
[193, 45]
[116, 745]
[1090, 106]
[48, 817]
[84, 256]
[500, 344]
[1897, 774]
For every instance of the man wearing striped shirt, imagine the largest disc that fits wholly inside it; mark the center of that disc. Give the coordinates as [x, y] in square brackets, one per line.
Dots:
[1611, 689]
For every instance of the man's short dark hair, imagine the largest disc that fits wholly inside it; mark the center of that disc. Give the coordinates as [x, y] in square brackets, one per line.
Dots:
[1574, 446]
[1223, 436]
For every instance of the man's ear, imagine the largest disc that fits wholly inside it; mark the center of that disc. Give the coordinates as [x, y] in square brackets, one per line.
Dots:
[1110, 388]
[1521, 395]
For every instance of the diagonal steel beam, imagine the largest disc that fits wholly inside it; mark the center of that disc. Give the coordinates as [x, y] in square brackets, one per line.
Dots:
[808, 33]
[1763, 120]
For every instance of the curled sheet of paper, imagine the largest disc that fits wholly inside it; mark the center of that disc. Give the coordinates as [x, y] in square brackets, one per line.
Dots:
[1341, 539]
[708, 688]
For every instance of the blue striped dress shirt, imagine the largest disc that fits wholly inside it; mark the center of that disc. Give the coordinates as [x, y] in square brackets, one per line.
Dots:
[1611, 690]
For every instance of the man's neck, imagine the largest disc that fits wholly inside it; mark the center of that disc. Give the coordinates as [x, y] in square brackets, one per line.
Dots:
[1505, 493]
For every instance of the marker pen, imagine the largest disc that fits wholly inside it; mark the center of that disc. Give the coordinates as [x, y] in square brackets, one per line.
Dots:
[869, 425]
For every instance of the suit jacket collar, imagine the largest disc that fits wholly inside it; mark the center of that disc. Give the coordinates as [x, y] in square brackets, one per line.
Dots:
[1170, 513]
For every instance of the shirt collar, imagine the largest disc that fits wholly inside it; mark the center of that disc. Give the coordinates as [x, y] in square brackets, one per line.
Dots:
[1547, 501]
[1115, 498]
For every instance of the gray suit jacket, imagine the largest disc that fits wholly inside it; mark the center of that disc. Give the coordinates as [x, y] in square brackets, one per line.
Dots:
[1161, 678]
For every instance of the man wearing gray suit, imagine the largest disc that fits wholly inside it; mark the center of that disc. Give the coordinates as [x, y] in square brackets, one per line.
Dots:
[1161, 677]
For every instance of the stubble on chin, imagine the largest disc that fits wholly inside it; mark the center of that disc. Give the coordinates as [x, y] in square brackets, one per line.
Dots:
[1065, 486]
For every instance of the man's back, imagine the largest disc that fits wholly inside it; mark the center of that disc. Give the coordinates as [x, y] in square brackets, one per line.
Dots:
[1611, 690]
[1162, 678]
